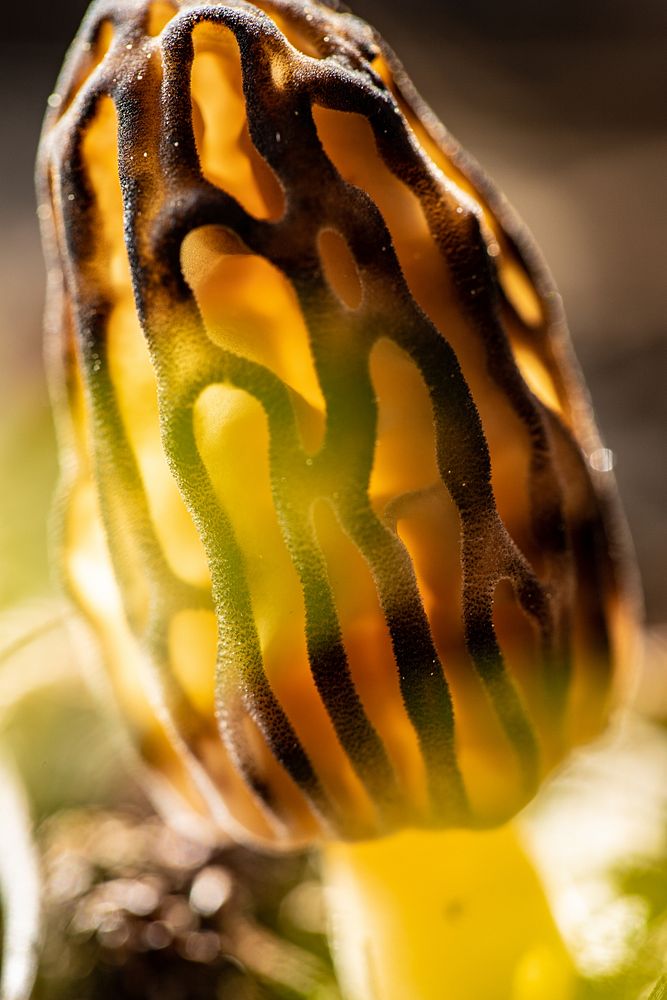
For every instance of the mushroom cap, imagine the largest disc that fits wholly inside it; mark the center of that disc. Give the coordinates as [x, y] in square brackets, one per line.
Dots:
[330, 498]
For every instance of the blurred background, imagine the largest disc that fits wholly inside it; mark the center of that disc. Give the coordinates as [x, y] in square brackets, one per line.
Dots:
[563, 104]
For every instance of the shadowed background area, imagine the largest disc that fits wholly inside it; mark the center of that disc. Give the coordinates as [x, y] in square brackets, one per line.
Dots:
[562, 105]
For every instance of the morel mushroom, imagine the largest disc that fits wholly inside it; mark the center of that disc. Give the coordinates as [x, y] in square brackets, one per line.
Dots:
[326, 496]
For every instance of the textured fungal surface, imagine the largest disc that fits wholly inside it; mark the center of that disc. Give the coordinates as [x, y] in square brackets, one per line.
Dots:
[326, 498]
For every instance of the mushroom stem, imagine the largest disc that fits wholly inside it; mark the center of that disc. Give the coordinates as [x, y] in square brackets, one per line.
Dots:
[444, 915]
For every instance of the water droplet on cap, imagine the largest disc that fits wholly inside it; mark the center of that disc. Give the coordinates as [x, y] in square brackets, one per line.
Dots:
[602, 460]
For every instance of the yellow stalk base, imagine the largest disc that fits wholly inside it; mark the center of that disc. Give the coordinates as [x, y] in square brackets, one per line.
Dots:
[445, 915]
